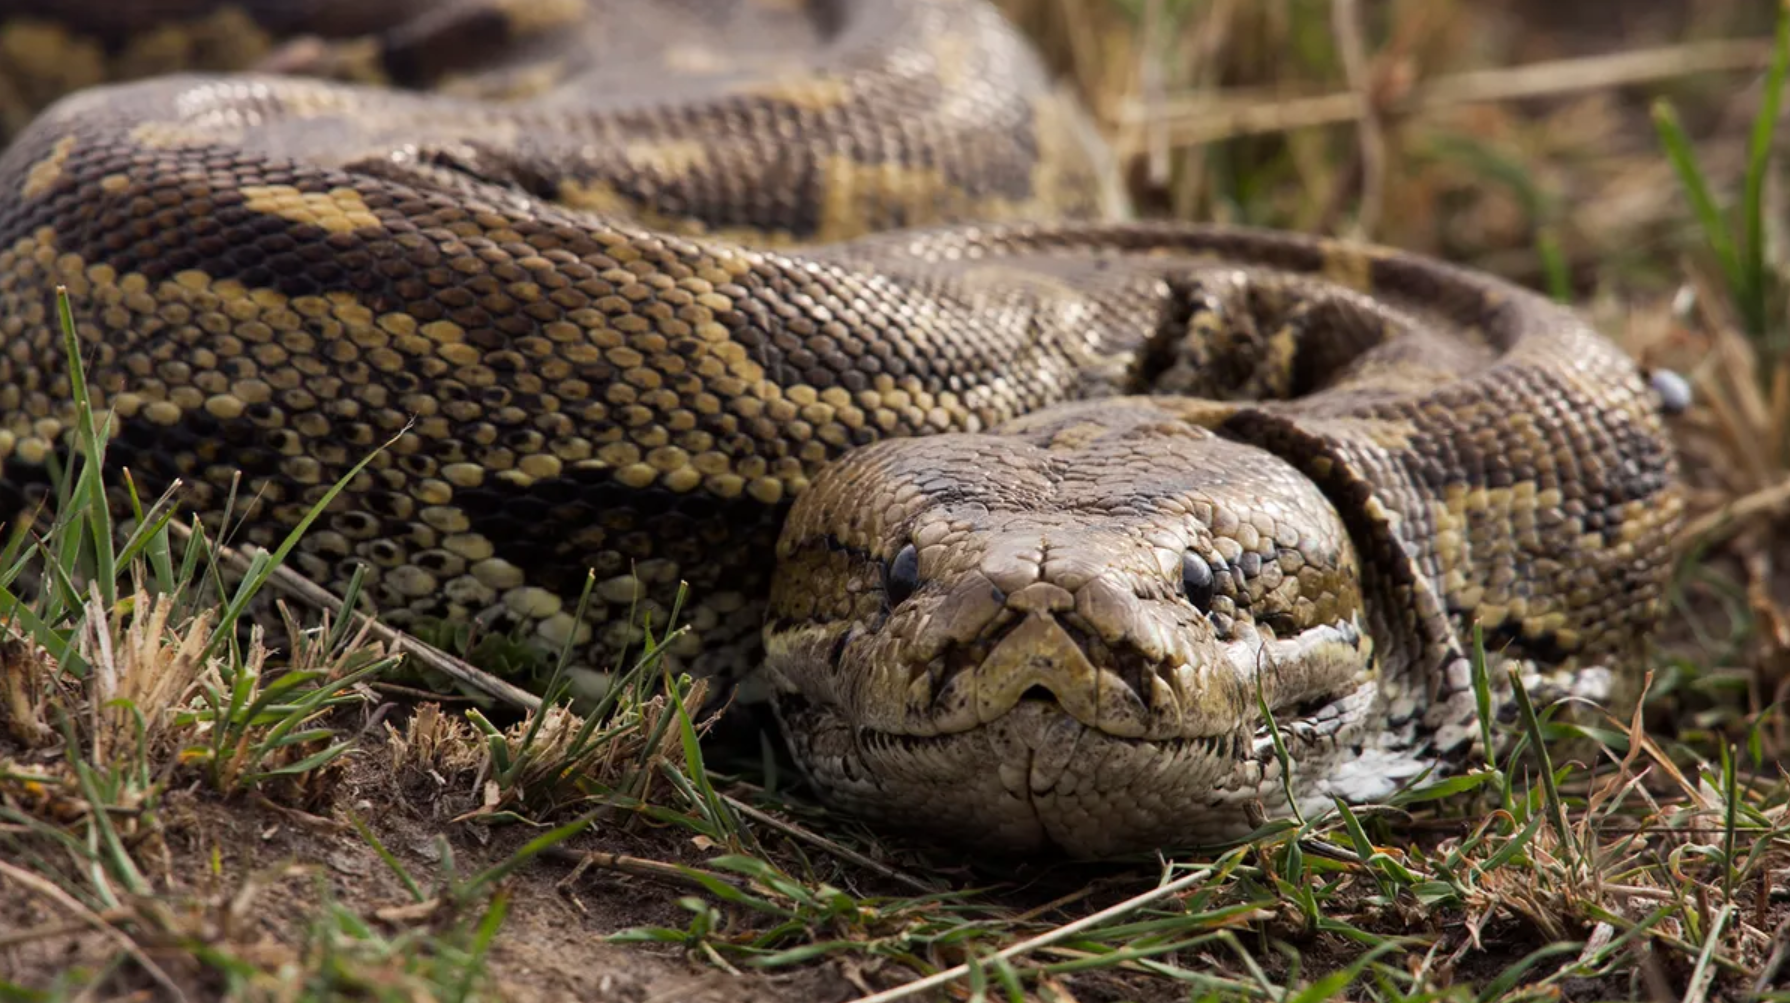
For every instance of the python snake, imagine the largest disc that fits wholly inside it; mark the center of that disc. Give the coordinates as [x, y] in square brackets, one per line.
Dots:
[830, 314]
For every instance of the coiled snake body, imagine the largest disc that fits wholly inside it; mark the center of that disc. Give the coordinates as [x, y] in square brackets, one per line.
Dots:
[1061, 501]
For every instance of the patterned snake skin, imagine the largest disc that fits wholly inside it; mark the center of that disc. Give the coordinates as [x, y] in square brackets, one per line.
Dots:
[1062, 500]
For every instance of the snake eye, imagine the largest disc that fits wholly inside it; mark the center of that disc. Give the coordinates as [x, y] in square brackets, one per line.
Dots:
[1196, 581]
[902, 576]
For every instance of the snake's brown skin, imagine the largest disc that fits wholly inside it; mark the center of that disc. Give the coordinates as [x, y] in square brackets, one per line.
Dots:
[542, 261]
[277, 274]
[1417, 448]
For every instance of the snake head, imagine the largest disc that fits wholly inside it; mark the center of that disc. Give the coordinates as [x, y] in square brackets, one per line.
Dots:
[1057, 634]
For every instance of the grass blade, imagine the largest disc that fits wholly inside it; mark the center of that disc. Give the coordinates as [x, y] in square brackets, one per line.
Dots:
[1752, 294]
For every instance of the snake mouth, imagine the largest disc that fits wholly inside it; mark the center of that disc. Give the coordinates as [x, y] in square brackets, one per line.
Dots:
[1034, 735]
[1034, 779]
[1113, 688]
[1191, 687]
[1233, 746]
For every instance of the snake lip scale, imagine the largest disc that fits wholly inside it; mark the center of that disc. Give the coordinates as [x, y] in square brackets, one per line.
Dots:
[1018, 512]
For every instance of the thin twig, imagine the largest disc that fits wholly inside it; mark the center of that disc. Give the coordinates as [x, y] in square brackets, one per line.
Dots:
[1045, 939]
[1191, 119]
[1150, 85]
[291, 582]
[418, 693]
[640, 867]
[848, 854]
[61, 928]
[1054, 904]
[1351, 47]
[1736, 513]
[293, 585]
[48, 889]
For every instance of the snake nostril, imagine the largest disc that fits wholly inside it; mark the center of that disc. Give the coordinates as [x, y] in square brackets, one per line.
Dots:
[1039, 693]
[1133, 667]
[955, 661]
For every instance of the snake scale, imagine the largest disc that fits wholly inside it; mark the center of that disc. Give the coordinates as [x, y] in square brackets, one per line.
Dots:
[829, 311]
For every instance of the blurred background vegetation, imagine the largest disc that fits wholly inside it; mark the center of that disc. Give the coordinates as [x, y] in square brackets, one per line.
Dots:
[1474, 130]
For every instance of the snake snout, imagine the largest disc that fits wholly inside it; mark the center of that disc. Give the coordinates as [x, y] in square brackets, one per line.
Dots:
[1095, 653]
[1039, 656]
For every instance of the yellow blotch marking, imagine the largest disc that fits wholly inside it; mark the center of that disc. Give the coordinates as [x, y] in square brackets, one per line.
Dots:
[860, 198]
[1191, 410]
[444, 332]
[683, 479]
[1390, 434]
[600, 197]
[225, 407]
[637, 475]
[1074, 169]
[447, 519]
[465, 475]
[672, 158]
[768, 490]
[32, 450]
[595, 196]
[695, 60]
[460, 354]
[808, 92]
[726, 485]
[529, 17]
[1349, 266]
[304, 99]
[471, 546]
[561, 627]
[351, 313]
[1076, 436]
[400, 324]
[540, 465]
[517, 84]
[532, 601]
[411, 581]
[497, 573]
[1546, 623]
[954, 54]
[619, 454]
[621, 589]
[112, 184]
[170, 135]
[44, 174]
[339, 210]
